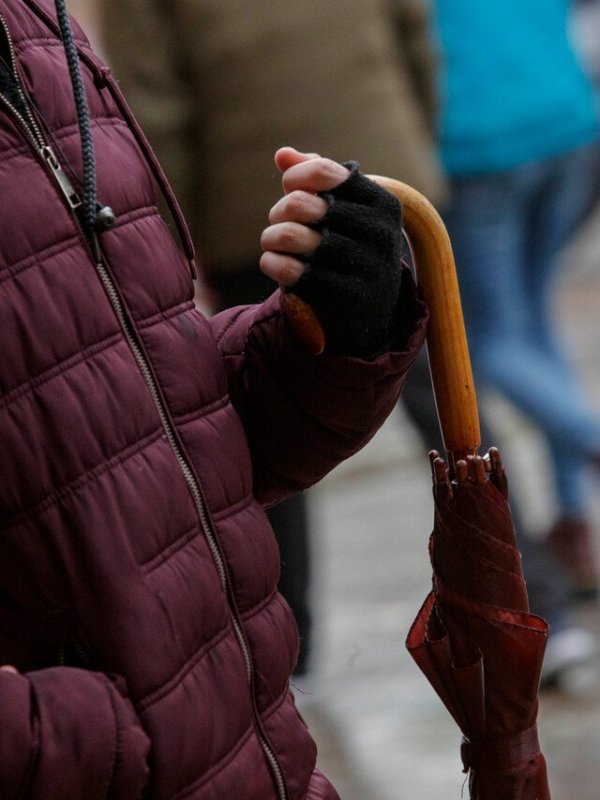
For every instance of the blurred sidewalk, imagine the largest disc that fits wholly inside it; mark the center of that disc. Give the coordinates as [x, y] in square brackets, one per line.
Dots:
[382, 732]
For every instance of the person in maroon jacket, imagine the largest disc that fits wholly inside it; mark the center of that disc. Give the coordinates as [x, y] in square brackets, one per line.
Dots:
[147, 649]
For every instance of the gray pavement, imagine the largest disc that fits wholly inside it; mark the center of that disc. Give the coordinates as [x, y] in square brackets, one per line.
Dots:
[382, 732]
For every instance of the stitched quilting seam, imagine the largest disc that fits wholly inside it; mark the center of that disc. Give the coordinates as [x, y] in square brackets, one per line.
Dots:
[215, 769]
[246, 616]
[13, 152]
[67, 130]
[226, 329]
[58, 370]
[60, 367]
[156, 561]
[99, 121]
[135, 214]
[54, 249]
[234, 508]
[33, 42]
[155, 695]
[185, 417]
[275, 706]
[167, 314]
[73, 486]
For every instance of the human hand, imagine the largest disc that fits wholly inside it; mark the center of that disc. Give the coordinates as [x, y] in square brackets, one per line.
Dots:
[340, 252]
[8, 668]
[289, 234]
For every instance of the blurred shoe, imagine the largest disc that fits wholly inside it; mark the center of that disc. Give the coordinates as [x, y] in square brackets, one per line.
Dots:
[570, 541]
[568, 648]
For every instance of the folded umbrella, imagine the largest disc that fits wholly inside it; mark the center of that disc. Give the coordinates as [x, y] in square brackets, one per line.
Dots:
[474, 638]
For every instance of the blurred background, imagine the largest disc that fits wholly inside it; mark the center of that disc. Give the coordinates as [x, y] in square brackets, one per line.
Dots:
[381, 731]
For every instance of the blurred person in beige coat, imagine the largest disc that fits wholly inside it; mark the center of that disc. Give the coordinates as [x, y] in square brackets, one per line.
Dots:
[87, 13]
[218, 85]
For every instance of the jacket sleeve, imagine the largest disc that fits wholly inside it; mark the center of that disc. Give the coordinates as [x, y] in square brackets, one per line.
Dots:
[69, 733]
[305, 414]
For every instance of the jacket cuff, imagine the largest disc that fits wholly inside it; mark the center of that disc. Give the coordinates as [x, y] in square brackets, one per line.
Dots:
[86, 740]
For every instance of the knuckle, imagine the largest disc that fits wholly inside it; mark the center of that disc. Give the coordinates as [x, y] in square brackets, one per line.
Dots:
[291, 270]
[289, 235]
[335, 173]
[327, 167]
[296, 202]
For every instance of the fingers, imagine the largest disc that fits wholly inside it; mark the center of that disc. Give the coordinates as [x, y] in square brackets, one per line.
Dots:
[283, 269]
[299, 207]
[287, 157]
[316, 175]
[308, 171]
[281, 242]
[288, 235]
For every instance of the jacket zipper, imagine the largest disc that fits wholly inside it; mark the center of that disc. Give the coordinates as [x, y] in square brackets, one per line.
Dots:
[195, 491]
[34, 134]
[194, 488]
[81, 654]
[45, 151]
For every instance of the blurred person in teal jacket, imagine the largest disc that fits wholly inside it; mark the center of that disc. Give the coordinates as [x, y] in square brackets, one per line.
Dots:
[519, 134]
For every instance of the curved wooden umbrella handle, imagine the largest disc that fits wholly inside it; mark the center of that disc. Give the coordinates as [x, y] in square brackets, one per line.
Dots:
[447, 346]
[446, 339]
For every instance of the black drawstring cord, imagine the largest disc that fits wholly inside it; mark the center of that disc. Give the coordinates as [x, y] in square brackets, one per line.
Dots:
[101, 74]
[96, 218]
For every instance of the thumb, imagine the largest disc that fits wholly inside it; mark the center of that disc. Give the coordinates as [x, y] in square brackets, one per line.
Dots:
[287, 157]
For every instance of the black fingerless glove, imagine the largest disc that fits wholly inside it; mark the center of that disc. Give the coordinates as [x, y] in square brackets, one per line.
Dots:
[353, 280]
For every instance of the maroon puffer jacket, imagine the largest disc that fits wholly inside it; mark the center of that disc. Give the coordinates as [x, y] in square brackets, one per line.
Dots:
[133, 540]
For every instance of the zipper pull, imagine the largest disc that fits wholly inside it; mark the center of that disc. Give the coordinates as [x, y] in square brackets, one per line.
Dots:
[61, 177]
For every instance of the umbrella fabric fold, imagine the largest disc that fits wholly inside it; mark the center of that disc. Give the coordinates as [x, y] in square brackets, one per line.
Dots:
[474, 638]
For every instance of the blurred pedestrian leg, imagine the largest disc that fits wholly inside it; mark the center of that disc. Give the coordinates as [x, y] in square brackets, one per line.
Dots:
[509, 230]
[520, 138]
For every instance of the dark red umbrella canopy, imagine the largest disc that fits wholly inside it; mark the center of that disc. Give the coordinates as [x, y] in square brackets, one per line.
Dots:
[474, 638]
